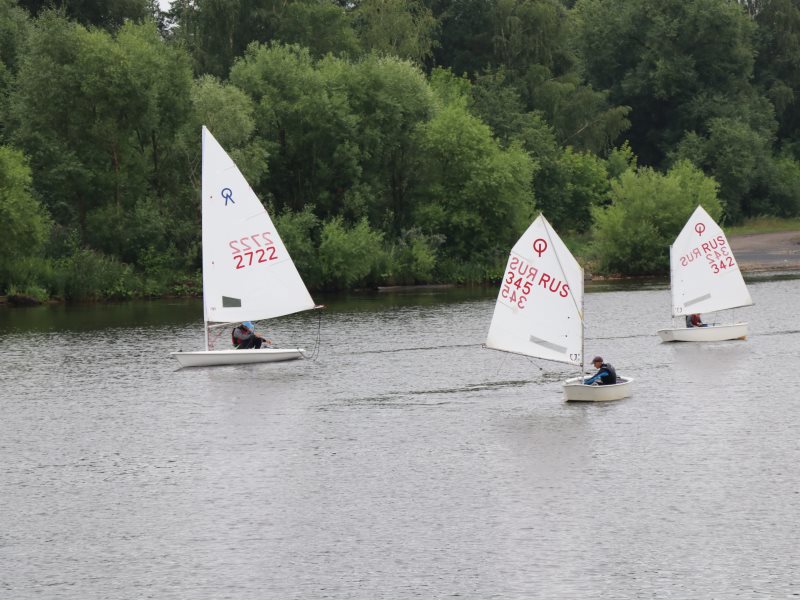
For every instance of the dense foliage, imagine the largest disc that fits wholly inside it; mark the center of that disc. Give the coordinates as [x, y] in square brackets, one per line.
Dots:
[394, 141]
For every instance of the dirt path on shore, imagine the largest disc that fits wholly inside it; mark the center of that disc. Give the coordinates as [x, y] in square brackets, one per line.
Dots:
[767, 251]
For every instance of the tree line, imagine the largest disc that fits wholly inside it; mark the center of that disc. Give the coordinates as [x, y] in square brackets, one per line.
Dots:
[393, 141]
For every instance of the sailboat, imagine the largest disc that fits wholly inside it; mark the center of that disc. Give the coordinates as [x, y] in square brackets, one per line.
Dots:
[539, 310]
[704, 278]
[247, 273]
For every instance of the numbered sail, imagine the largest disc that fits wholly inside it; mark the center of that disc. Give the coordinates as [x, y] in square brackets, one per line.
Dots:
[705, 276]
[539, 310]
[247, 272]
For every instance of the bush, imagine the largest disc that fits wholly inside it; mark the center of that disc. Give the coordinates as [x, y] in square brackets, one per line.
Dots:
[648, 210]
[783, 187]
[28, 273]
[412, 259]
[89, 275]
[349, 256]
[299, 230]
[25, 222]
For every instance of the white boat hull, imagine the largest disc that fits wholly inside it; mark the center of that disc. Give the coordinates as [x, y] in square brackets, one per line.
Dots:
[712, 333]
[575, 390]
[211, 358]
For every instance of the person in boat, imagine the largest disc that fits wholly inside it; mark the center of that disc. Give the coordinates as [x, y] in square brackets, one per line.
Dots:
[606, 375]
[244, 337]
[694, 320]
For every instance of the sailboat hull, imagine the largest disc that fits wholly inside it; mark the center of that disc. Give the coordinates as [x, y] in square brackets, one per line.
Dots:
[213, 358]
[712, 333]
[576, 391]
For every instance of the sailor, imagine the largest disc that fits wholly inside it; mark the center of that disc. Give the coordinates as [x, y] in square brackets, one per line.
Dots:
[694, 321]
[245, 337]
[606, 375]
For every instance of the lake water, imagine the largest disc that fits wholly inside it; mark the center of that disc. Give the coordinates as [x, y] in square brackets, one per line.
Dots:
[405, 461]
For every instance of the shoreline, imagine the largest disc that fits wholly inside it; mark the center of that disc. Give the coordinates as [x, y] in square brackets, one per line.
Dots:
[755, 253]
[759, 252]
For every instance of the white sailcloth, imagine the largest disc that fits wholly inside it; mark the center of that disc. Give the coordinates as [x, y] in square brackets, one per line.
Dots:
[247, 272]
[705, 276]
[539, 310]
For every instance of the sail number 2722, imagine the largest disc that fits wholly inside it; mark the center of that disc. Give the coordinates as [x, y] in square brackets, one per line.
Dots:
[253, 249]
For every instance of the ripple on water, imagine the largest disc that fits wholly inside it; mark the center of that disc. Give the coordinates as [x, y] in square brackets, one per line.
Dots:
[406, 461]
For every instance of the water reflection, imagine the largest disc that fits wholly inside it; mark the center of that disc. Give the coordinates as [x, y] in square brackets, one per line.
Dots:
[405, 461]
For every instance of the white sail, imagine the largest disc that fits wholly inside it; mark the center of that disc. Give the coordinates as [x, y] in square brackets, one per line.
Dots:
[705, 276]
[247, 272]
[539, 310]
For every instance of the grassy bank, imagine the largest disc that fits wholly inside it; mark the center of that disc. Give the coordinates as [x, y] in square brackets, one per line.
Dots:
[764, 225]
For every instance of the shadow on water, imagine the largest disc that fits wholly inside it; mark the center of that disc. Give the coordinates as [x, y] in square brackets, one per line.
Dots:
[182, 312]
[91, 317]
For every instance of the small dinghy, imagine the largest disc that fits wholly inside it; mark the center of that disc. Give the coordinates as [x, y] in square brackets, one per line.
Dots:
[247, 273]
[539, 310]
[704, 278]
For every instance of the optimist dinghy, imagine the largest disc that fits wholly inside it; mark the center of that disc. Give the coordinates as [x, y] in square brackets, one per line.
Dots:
[539, 310]
[704, 278]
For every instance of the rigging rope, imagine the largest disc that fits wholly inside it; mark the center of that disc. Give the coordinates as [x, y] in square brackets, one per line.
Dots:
[315, 352]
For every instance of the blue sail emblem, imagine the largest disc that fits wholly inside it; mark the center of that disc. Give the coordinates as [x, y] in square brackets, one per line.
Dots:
[227, 193]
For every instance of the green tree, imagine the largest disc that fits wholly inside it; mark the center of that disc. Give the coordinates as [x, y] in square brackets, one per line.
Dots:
[474, 193]
[228, 113]
[390, 98]
[677, 64]
[14, 27]
[304, 113]
[466, 43]
[300, 234]
[348, 255]
[404, 28]
[99, 116]
[737, 156]
[25, 222]
[216, 32]
[782, 183]
[413, 258]
[581, 116]
[530, 32]
[340, 134]
[109, 14]
[572, 185]
[648, 210]
[319, 25]
[777, 66]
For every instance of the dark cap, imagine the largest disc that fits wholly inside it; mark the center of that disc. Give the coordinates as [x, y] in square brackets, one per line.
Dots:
[597, 359]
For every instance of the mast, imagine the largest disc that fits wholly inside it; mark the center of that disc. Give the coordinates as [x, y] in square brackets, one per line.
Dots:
[583, 330]
[671, 291]
[203, 225]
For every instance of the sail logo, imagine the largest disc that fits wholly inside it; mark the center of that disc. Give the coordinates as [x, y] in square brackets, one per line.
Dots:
[522, 279]
[700, 228]
[539, 246]
[227, 193]
[716, 252]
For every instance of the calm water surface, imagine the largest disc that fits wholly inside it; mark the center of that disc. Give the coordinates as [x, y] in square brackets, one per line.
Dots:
[404, 462]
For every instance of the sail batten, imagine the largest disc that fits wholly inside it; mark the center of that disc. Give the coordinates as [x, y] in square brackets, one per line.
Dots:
[704, 274]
